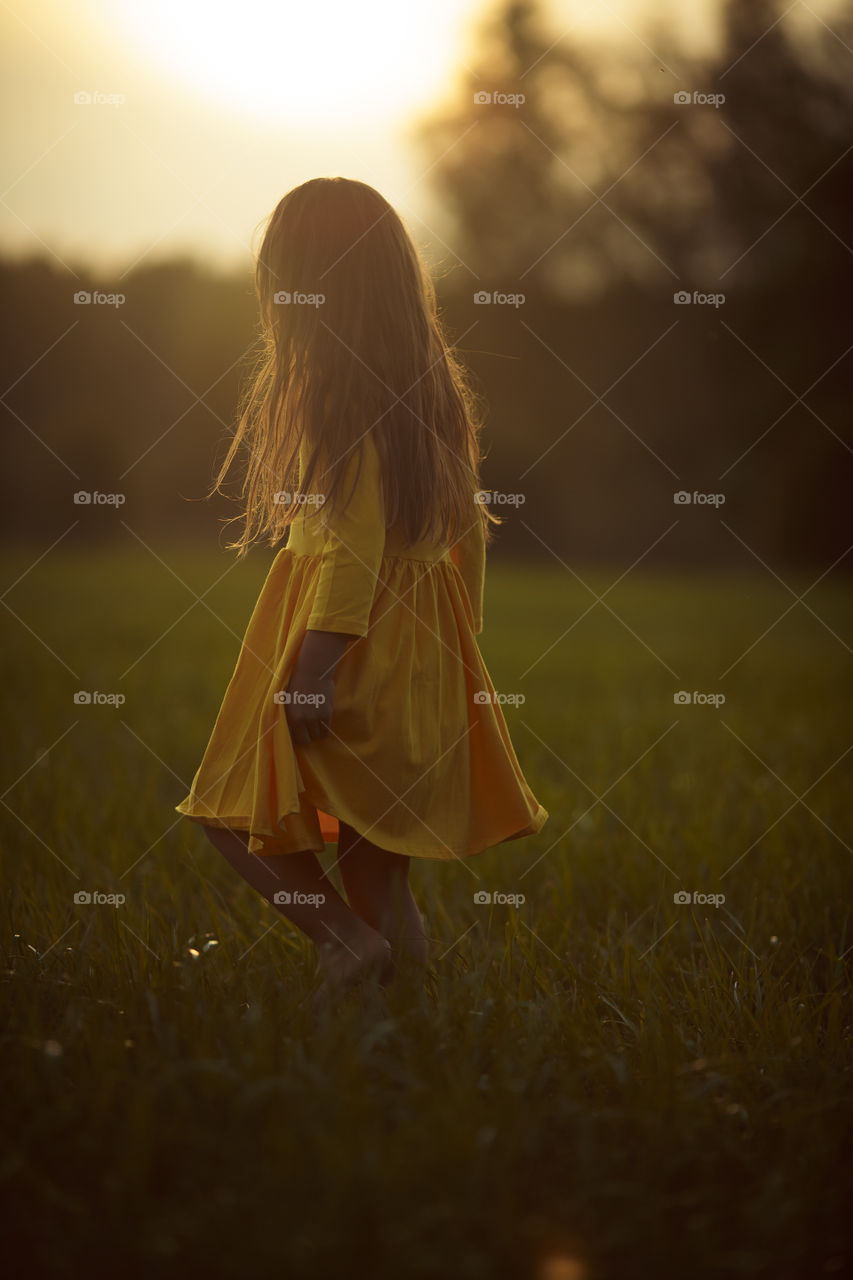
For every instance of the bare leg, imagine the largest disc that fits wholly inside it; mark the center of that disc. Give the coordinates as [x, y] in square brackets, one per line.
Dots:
[348, 946]
[377, 886]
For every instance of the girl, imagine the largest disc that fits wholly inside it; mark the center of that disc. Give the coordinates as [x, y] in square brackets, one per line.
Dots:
[360, 710]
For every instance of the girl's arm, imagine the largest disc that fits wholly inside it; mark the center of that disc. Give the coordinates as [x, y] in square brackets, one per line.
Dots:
[340, 612]
[312, 685]
[355, 544]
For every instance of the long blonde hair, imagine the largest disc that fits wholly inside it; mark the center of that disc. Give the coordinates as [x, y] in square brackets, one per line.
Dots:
[351, 343]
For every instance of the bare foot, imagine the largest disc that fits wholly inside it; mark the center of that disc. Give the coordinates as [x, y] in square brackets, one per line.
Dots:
[343, 968]
[412, 941]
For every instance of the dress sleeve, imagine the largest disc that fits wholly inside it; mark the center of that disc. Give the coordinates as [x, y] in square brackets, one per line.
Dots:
[469, 556]
[353, 548]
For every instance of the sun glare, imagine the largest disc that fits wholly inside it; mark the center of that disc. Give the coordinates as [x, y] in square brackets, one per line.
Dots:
[330, 60]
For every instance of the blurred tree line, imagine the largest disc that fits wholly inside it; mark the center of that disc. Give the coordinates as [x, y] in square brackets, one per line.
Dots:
[620, 181]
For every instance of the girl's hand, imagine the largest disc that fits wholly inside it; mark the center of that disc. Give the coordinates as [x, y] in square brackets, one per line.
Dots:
[312, 686]
[309, 709]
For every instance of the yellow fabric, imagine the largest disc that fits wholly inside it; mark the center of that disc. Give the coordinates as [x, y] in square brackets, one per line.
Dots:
[416, 762]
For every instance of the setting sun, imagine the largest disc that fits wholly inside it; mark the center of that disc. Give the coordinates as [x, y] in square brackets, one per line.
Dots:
[325, 61]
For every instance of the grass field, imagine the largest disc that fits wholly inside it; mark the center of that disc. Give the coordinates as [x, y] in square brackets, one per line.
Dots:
[600, 1082]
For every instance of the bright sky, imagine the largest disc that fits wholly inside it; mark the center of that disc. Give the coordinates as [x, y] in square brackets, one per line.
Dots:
[226, 105]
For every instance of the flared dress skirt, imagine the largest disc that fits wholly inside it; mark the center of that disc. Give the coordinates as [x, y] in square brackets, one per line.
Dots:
[419, 759]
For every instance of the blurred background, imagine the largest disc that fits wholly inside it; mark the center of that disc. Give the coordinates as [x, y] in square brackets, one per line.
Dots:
[638, 218]
[654, 199]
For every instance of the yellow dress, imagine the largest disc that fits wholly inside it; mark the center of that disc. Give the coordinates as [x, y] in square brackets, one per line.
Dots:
[419, 759]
